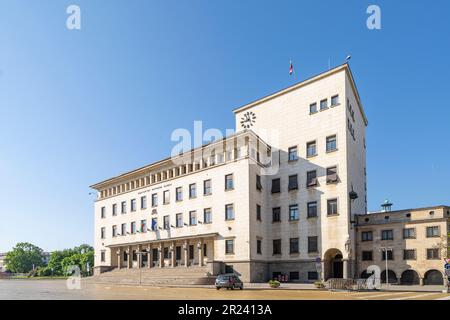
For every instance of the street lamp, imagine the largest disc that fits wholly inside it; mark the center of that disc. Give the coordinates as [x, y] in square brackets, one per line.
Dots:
[385, 250]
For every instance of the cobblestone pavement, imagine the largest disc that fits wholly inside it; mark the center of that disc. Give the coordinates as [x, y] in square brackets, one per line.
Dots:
[56, 289]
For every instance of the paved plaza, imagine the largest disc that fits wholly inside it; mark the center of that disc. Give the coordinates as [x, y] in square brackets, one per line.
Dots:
[57, 290]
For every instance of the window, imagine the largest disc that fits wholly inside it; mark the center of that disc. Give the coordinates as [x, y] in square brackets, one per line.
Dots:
[114, 209]
[312, 209]
[258, 212]
[229, 185]
[102, 256]
[332, 207]
[258, 183]
[311, 149]
[313, 108]
[294, 275]
[179, 220]
[331, 143]
[154, 199]
[409, 233]
[367, 256]
[166, 253]
[166, 223]
[332, 176]
[293, 245]
[433, 254]
[123, 228]
[192, 218]
[154, 224]
[133, 227]
[143, 226]
[114, 231]
[166, 197]
[313, 275]
[409, 254]
[366, 236]
[334, 100]
[143, 202]
[293, 212]
[133, 205]
[258, 246]
[276, 185]
[389, 253]
[192, 190]
[179, 194]
[293, 153]
[207, 215]
[387, 235]
[276, 214]
[207, 187]
[103, 212]
[123, 207]
[277, 246]
[312, 244]
[323, 104]
[102, 233]
[311, 178]
[229, 246]
[229, 212]
[433, 232]
[293, 183]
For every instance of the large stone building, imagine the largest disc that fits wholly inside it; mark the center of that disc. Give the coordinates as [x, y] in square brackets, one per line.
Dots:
[278, 197]
[414, 241]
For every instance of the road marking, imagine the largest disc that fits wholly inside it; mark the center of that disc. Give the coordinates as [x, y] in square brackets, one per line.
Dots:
[383, 295]
[416, 296]
[444, 298]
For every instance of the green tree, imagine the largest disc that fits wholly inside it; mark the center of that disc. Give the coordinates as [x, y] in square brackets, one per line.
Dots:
[23, 257]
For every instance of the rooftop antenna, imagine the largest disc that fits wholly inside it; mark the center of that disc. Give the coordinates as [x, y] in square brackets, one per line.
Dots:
[386, 206]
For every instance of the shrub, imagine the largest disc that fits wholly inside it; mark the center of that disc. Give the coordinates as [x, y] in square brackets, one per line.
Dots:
[274, 283]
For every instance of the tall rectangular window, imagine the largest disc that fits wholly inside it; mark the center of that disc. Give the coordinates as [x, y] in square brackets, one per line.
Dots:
[154, 199]
[192, 218]
[102, 233]
[103, 212]
[323, 104]
[433, 232]
[143, 226]
[192, 190]
[123, 229]
[207, 215]
[258, 212]
[229, 185]
[114, 231]
[332, 176]
[179, 220]
[258, 183]
[143, 202]
[229, 246]
[123, 207]
[102, 256]
[293, 182]
[276, 185]
[133, 205]
[258, 246]
[276, 214]
[114, 209]
[311, 149]
[133, 227]
[311, 178]
[293, 212]
[312, 244]
[207, 190]
[229, 212]
[331, 143]
[179, 194]
[387, 235]
[312, 209]
[334, 100]
[292, 151]
[276, 246]
[293, 245]
[154, 224]
[313, 108]
[166, 197]
[332, 207]
[166, 223]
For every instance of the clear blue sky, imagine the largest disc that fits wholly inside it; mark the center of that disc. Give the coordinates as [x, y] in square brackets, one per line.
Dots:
[77, 107]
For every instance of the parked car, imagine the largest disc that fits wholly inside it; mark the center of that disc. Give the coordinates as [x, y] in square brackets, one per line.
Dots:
[229, 281]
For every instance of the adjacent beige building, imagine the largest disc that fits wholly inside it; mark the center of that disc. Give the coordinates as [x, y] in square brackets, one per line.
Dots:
[416, 241]
[277, 198]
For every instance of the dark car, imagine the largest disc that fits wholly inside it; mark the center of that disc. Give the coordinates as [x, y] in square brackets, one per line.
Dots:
[229, 281]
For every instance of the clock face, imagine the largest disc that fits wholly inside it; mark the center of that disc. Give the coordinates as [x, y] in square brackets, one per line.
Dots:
[248, 120]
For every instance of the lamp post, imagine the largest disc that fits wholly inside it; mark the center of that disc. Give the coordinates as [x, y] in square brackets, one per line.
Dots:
[385, 251]
[140, 253]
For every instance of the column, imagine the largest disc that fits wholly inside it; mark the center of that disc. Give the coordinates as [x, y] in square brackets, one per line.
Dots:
[421, 282]
[322, 271]
[149, 256]
[186, 260]
[130, 258]
[119, 258]
[139, 256]
[161, 255]
[172, 254]
[345, 268]
[200, 253]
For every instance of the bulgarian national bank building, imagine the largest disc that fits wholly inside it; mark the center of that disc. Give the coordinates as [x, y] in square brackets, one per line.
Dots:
[276, 198]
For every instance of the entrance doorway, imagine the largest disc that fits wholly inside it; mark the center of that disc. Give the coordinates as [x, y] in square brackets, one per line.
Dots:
[333, 264]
